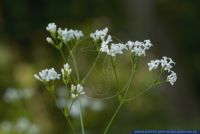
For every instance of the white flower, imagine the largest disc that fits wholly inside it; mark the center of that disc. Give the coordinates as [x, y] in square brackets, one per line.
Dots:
[66, 70]
[116, 49]
[99, 34]
[172, 78]
[60, 31]
[76, 91]
[104, 48]
[139, 48]
[104, 44]
[68, 35]
[153, 64]
[51, 27]
[47, 75]
[49, 40]
[79, 89]
[130, 45]
[102, 35]
[166, 63]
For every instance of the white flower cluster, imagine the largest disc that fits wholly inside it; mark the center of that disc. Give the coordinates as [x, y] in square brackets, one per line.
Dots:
[51, 27]
[22, 125]
[172, 78]
[116, 49]
[76, 91]
[139, 48]
[69, 35]
[112, 49]
[99, 35]
[12, 94]
[65, 35]
[153, 64]
[166, 65]
[66, 70]
[47, 75]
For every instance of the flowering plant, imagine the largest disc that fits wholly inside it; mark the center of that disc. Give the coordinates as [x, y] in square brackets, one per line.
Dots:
[103, 45]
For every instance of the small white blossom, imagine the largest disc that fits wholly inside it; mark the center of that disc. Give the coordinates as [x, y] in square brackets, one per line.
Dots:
[107, 40]
[76, 91]
[153, 64]
[68, 35]
[79, 89]
[172, 78]
[99, 34]
[60, 31]
[49, 40]
[166, 63]
[51, 27]
[104, 44]
[47, 75]
[139, 48]
[66, 70]
[104, 48]
[130, 45]
[116, 49]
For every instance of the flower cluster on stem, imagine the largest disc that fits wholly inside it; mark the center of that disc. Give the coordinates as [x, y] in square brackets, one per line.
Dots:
[113, 49]
[166, 64]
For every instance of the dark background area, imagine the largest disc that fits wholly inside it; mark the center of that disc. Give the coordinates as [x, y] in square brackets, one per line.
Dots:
[172, 26]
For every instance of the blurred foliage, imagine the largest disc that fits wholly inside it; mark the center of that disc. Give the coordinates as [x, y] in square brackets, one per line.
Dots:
[172, 25]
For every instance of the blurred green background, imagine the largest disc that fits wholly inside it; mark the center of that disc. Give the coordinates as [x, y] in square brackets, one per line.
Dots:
[172, 26]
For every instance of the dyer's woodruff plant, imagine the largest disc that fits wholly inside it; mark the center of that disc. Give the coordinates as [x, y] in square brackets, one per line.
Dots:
[103, 43]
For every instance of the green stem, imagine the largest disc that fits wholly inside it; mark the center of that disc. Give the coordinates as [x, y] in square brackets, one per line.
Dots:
[70, 107]
[66, 117]
[70, 124]
[74, 62]
[123, 98]
[75, 66]
[140, 93]
[91, 69]
[81, 118]
[62, 54]
[115, 71]
[113, 117]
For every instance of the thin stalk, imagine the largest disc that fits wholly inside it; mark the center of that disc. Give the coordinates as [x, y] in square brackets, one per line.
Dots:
[115, 72]
[145, 90]
[70, 124]
[74, 62]
[123, 98]
[91, 69]
[66, 117]
[62, 54]
[81, 118]
[113, 117]
[140, 93]
[70, 107]
[75, 66]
